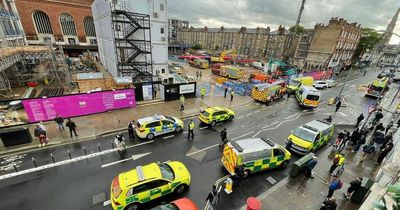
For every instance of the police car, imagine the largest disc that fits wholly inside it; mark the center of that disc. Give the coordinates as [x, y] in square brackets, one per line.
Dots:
[145, 183]
[212, 115]
[156, 125]
[255, 154]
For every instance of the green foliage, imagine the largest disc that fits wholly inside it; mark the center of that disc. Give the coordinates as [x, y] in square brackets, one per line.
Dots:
[216, 47]
[298, 30]
[197, 47]
[370, 37]
[394, 191]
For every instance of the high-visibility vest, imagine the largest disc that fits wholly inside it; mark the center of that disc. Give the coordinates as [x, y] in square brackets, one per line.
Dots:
[232, 92]
[191, 126]
[182, 99]
[203, 91]
[341, 159]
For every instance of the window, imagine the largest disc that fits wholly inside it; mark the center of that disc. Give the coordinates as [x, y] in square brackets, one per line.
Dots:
[89, 26]
[326, 132]
[162, 30]
[139, 189]
[153, 124]
[163, 71]
[318, 137]
[166, 122]
[42, 23]
[162, 7]
[166, 171]
[278, 152]
[67, 24]
[313, 97]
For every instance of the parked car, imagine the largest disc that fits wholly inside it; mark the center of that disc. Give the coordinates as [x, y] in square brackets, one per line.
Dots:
[180, 204]
[331, 83]
[320, 84]
[386, 73]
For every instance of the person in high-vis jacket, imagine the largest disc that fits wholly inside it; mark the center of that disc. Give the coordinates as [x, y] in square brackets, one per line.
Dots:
[191, 128]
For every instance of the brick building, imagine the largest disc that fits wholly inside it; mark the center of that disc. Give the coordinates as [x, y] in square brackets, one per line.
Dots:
[303, 47]
[64, 22]
[333, 44]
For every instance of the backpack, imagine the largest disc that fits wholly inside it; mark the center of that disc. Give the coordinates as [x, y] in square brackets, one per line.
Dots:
[340, 185]
[336, 160]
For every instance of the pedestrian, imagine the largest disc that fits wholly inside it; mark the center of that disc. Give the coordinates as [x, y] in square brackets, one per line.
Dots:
[225, 91]
[355, 136]
[329, 119]
[329, 204]
[197, 75]
[120, 142]
[72, 127]
[339, 139]
[389, 126]
[398, 123]
[367, 149]
[43, 127]
[202, 92]
[310, 166]
[338, 105]
[346, 138]
[359, 119]
[240, 173]
[288, 92]
[191, 128]
[60, 122]
[201, 75]
[378, 139]
[385, 151]
[378, 117]
[223, 135]
[212, 197]
[379, 127]
[182, 100]
[337, 161]
[362, 140]
[39, 133]
[155, 91]
[388, 137]
[354, 186]
[232, 94]
[131, 128]
[335, 184]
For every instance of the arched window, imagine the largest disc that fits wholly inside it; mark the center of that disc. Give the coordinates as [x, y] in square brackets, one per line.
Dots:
[67, 25]
[89, 26]
[42, 23]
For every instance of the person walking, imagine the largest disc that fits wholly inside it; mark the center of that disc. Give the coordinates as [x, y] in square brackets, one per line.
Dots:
[119, 141]
[310, 166]
[354, 186]
[202, 92]
[339, 139]
[389, 126]
[191, 128]
[367, 149]
[385, 151]
[40, 134]
[60, 122]
[379, 127]
[288, 92]
[362, 140]
[378, 117]
[337, 161]
[335, 184]
[232, 94]
[197, 75]
[346, 138]
[359, 119]
[355, 136]
[338, 105]
[223, 135]
[225, 91]
[201, 75]
[240, 173]
[72, 127]
[44, 130]
[131, 128]
[329, 119]
[212, 197]
[329, 204]
[378, 140]
[182, 100]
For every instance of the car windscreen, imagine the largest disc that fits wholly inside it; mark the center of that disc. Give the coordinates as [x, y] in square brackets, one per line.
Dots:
[166, 171]
[205, 114]
[170, 118]
[373, 87]
[313, 97]
[304, 134]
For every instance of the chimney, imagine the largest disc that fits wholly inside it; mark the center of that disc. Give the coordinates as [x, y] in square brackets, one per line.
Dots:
[205, 28]
[221, 29]
[242, 29]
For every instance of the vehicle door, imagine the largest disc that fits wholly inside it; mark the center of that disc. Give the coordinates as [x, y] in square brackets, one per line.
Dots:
[215, 116]
[278, 158]
[167, 126]
[318, 141]
[223, 115]
[159, 188]
[155, 128]
[139, 193]
[258, 161]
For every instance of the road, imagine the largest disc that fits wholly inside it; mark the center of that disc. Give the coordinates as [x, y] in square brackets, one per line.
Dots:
[84, 183]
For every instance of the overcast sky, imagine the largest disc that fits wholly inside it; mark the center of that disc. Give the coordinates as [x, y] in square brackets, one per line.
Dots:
[262, 13]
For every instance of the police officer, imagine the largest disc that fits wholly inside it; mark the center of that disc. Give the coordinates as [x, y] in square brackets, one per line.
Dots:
[232, 94]
[223, 135]
[191, 128]
[202, 92]
[182, 100]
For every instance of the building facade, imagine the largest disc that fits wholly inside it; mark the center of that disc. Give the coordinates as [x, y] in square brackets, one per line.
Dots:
[391, 56]
[132, 37]
[252, 42]
[303, 46]
[175, 25]
[63, 22]
[333, 44]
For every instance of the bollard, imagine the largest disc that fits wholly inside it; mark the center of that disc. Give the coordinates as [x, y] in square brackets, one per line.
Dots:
[112, 144]
[84, 150]
[15, 167]
[52, 157]
[34, 161]
[253, 204]
[98, 146]
[228, 185]
[69, 154]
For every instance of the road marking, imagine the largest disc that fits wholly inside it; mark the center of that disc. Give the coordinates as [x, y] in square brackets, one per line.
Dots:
[246, 124]
[286, 118]
[185, 132]
[248, 114]
[201, 128]
[256, 112]
[192, 153]
[277, 126]
[240, 117]
[271, 124]
[243, 135]
[106, 203]
[134, 157]
[167, 137]
[64, 162]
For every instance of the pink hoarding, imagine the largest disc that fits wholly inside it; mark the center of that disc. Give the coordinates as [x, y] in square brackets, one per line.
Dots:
[43, 109]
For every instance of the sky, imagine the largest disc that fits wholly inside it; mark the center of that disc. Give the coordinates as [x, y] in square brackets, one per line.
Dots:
[262, 13]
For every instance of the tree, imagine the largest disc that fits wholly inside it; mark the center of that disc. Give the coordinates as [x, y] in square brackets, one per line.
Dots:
[394, 192]
[216, 47]
[298, 30]
[368, 40]
[197, 47]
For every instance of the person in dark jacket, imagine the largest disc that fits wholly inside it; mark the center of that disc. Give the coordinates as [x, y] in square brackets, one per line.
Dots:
[213, 196]
[131, 128]
[223, 135]
[379, 127]
[310, 166]
[378, 140]
[338, 105]
[359, 119]
[355, 136]
[362, 140]
[72, 127]
[60, 122]
[385, 151]
[354, 185]
[329, 204]
[378, 117]
[389, 126]
[41, 135]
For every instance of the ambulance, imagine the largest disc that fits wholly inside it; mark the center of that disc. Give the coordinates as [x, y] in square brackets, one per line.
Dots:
[308, 97]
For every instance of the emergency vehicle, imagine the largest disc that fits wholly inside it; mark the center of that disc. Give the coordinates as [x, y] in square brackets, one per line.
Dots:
[310, 136]
[199, 63]
[378, 85]
[308, 96]
[269, 92]
[212, 115]
[132, 188]
[296, 83]
[255, 154]
[156, 125]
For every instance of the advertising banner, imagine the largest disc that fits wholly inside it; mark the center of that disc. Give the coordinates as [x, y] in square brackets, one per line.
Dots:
[44, 109]
[189, 88]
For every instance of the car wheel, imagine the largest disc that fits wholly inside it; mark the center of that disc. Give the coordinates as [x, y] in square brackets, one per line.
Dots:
[324, 87]
[180, 189]
[133, 206]
[213, 123]
[150, 136]
[285, 164]
[231, 117]
[178, 129]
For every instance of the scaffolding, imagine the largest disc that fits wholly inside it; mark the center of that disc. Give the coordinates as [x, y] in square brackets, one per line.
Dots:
[132, 43]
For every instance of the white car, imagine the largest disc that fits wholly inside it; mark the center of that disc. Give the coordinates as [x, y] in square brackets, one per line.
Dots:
[331, 83]
[320, 84]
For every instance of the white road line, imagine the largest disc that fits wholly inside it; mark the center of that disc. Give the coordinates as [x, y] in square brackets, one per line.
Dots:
[240, 117]
[248, 114]
[256, 112]
[246, 124]
[64, 162]
[192, 153]
[185, 132]
[277, 126]
[201, 128]
[290, 116]
[243, 135]
[106, 203]
[167, 137]
[270, 124]
[134, 157]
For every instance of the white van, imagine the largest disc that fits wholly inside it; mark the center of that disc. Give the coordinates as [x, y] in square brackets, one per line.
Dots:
[308, 96]
[257, 65]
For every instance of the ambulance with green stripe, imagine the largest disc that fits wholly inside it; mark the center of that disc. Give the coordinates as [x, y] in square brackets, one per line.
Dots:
[255, 154]
[145, 183]
[156, 125]
[213, 115]
[308, 97]
[310, 137]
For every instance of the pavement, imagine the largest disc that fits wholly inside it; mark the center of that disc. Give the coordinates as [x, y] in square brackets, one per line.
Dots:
[79, 176]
